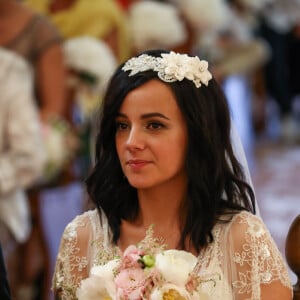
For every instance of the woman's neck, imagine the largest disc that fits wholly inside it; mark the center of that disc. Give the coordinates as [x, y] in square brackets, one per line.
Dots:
[162, 205]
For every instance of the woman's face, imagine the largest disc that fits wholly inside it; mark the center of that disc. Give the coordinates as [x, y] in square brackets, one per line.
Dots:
[151, 136]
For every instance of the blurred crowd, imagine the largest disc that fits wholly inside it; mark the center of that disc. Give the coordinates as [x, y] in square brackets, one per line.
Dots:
[56, 57]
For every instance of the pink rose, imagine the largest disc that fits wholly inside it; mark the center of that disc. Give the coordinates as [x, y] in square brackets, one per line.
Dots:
[131, 283]
[131, 257]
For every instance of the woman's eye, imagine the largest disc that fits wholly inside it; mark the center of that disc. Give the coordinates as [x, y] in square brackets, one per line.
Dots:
[155, 125]
[121, 126]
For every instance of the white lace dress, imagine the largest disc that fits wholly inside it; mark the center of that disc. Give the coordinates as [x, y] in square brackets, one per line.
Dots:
[243, 259]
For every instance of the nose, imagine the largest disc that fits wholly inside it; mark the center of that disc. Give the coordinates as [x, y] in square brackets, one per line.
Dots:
[135, 140]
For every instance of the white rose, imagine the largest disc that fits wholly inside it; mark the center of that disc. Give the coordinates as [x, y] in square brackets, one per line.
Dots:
[172, 290]
[100, 284]
[93, 288]
[175, 265]
[105, 272]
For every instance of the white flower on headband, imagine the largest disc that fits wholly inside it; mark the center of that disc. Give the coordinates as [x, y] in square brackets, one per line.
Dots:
[171, 67]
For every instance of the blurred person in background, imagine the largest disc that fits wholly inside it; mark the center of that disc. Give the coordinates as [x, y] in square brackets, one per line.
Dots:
[22, 158]
[90, 63]
[295, 71]
[105, 20]
[236, 55]
[4, 285]
[279, 21]
[37, 40]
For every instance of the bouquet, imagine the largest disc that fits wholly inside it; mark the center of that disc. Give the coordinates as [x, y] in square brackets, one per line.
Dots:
[152, 273]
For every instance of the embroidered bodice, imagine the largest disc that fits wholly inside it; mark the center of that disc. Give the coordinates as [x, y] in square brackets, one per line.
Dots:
[241, 260]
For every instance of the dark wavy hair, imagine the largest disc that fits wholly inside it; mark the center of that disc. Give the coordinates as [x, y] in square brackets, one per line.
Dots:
[216, 184]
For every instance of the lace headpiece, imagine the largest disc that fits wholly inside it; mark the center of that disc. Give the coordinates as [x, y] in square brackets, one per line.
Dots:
[171, 67]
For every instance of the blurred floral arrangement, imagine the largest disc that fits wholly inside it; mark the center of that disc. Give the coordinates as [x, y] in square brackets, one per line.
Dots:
[155, 25]
[91, 64]
[146, 271]
[60, 145]
[213, 13]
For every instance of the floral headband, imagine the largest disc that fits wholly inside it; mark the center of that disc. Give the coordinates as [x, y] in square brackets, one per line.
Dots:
[171, 67]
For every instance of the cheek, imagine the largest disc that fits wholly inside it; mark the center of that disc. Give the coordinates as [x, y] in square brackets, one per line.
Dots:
[118, 144]
[182, 149]
[173, 150]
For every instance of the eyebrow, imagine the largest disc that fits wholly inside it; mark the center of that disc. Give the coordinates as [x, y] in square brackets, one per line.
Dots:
[147, 116]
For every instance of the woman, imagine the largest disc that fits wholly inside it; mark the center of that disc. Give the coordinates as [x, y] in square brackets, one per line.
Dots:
[22, 158]
[103, 20]
[164, 158]
[36, 39]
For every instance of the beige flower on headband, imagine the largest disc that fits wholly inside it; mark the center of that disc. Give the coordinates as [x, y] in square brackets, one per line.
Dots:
[175, 65]
[180, 66]
[171, 67]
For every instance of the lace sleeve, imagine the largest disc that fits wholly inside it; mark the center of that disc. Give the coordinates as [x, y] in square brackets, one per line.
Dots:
[258, 269]
[72, 264]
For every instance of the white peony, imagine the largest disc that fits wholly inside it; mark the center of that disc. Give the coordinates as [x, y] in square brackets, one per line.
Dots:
[100, 284]
[173, 291]
[175, 266]
[106, 272]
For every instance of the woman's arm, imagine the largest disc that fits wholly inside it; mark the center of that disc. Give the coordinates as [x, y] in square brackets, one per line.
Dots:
[73, 259]
[258, 269]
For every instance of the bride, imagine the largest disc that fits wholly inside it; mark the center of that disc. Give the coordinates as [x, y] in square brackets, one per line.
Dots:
[164, 160]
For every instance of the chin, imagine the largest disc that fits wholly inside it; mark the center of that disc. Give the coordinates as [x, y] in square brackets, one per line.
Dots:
[140, 184]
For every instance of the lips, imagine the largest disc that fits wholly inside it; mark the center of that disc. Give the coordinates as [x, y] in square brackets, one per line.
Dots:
[137, 163]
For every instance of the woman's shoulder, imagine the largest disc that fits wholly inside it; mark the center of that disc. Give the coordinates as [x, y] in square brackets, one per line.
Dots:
[83, 225]
[242, 228]
[80, 248]
[248, 243]
[245, 215]
[84, 218]
[249, 221]
[245, 224]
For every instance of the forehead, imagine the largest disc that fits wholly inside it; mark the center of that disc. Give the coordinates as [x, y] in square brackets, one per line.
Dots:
[153, 95]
